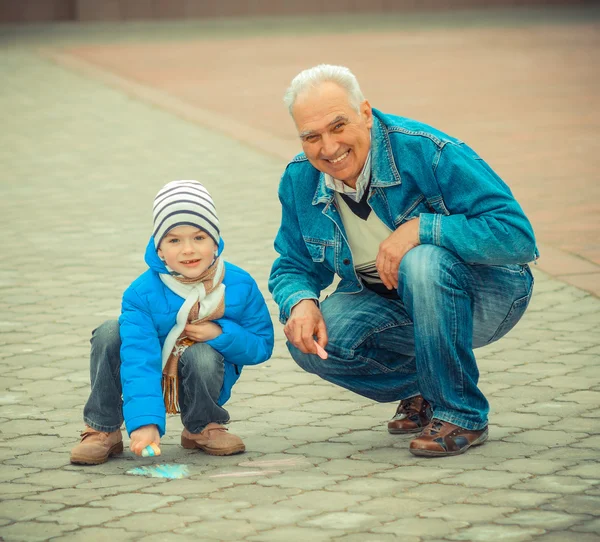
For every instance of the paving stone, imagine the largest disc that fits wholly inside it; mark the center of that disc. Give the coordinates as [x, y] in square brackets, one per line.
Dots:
[325, 500]
[33, 532]
[136, 502]
[345, 521]
[539, 466]
[219, 529]
[487, 479]
[203, 508]
[438, 493]
[546, 438]
[302, 480]
[273, 514]
[589, 471]
[419, 473]
[418, 526]
[576, 504]
[361, 537]
[293, 533]
[331, 450]
[542, 519]
[564, 536]
[377, 487]
[84, 516]
[592, 526]
[511, 497]
[496, 532]
[387, 509]
[556, 484]
[590, 442]
[100, 534]
[14, 510]
[256, 494]
[525, 421]
[472, 513]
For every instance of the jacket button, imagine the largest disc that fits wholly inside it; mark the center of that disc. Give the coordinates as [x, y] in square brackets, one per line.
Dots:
[346, 261]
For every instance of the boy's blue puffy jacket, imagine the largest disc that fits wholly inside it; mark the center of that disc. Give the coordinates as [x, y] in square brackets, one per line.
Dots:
[148, 313]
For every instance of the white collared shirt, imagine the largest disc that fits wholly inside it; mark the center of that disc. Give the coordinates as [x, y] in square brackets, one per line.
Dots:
[361, 183]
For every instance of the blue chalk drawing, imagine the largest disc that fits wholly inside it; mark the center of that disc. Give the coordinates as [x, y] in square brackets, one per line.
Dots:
[161, 471]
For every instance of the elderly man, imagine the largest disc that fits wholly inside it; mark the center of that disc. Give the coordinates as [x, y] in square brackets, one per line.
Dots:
[431, 249]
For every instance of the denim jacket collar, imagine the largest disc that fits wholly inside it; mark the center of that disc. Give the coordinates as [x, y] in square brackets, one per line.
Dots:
[384, 172]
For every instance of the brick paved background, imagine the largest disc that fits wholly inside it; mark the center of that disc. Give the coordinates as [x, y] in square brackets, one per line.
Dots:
[81, 162]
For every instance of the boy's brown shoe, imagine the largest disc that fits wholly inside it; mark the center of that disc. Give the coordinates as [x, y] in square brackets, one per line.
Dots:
[412, 415]
[440, 439]
[214, 439]
[96, 447]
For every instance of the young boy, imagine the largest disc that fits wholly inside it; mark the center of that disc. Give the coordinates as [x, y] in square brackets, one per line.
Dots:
[187, 327]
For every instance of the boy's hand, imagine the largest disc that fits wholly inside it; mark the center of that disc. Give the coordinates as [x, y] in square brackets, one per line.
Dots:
[140, 438]
[203, 332]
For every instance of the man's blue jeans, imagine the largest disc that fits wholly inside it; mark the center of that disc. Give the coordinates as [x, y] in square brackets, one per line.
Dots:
[201, 372]
[390, 350]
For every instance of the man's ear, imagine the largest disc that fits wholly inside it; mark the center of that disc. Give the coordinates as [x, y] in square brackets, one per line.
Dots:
[367, 113]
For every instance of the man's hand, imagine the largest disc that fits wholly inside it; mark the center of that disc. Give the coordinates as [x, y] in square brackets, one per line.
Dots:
[141, 437]
[203, 332]
[393, 249]
[304, 323]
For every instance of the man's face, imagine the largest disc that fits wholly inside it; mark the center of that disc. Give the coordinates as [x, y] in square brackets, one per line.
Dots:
[335, 138]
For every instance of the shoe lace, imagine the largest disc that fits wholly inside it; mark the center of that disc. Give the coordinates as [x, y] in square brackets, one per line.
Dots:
[408, 405]
[90, 433]
[435, 426]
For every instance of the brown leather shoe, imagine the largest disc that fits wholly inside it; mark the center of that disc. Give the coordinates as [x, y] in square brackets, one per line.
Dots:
[412, 415]
[214, 439]
[96, 447]
[440, 439]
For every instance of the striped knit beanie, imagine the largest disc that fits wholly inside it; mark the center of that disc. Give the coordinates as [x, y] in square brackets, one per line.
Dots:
[184, 203]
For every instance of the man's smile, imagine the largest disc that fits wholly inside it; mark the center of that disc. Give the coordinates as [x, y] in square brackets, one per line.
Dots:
[339, 158]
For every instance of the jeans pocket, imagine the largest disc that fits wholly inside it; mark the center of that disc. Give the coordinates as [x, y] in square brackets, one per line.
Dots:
[515, 313]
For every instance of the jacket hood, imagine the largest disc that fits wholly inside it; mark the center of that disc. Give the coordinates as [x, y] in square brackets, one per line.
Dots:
[156, 264]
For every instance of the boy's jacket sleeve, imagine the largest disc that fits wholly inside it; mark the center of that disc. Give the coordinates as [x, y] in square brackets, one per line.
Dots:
[250, 340]
[141, 366]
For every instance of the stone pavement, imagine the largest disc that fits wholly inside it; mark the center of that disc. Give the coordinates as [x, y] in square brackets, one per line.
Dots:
[81, 163]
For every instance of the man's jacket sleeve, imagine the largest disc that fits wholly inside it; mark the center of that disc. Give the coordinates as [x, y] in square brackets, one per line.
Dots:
[141, 366]
[294, 275]
[485, 223]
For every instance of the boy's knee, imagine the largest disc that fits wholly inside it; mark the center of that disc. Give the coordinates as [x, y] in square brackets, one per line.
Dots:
[107, 335]
[202, 359]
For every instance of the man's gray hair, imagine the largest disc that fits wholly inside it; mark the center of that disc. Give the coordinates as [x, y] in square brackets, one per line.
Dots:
[313, 77]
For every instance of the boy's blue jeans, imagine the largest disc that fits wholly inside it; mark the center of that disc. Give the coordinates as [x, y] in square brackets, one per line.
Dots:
[389, 350]
[201, 373]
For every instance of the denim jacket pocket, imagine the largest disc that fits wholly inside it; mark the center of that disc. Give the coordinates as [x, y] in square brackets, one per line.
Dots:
[315, 249]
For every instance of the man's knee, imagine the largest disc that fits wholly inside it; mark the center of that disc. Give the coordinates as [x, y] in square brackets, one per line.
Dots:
[427, 266]
[201, 359]
[308, 362]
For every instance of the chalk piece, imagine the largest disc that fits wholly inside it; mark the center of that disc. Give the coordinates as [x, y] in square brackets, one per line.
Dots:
[320, 351]
[161, 471]
[151, 450]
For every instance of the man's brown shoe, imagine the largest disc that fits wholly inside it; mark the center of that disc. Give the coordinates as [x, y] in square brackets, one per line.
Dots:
[96, 447]
[214, 439]
[440, 439]
[412, 415]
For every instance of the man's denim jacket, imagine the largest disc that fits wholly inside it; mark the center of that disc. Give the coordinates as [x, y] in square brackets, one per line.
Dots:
[417, 171]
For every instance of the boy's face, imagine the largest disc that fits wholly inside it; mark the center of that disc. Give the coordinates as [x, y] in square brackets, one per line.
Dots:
[188, 251]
